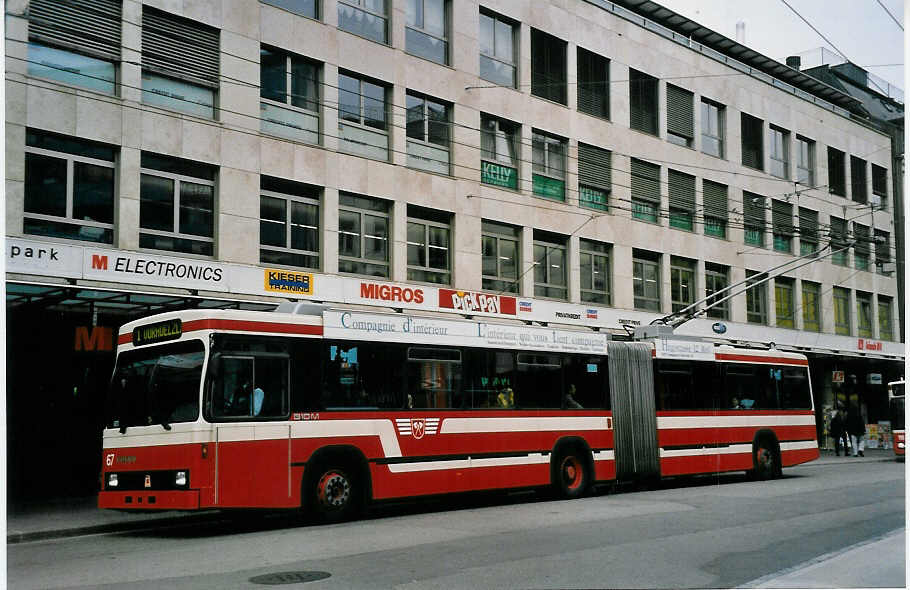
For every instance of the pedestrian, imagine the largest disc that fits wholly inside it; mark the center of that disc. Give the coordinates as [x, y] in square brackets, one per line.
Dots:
[857, 430]
[839, 431]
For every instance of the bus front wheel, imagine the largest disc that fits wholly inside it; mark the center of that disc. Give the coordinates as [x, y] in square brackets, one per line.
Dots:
[335, 494]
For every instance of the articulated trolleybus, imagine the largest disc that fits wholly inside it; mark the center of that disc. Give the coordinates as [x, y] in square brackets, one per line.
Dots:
[328, 409]
[896, 405]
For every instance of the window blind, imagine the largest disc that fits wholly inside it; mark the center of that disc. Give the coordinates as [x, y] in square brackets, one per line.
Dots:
[680, 112]
[180, 48]
[88, 26]
[715, 196]
[594, 166]
[645, 181]
[681, 188]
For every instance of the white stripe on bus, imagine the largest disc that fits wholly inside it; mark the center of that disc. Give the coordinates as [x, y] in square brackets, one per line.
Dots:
[523, 424]
[672, 422]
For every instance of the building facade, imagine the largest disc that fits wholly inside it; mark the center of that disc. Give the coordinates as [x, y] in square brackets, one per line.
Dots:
[570, 162]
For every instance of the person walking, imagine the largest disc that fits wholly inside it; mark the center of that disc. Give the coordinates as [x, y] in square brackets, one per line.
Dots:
[839, 432]
[857, 430]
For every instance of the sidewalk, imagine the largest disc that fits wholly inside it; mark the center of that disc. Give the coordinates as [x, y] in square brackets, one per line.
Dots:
[81, 516]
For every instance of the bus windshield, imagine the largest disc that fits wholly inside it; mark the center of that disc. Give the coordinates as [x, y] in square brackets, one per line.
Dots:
[897, 405]
[156, 385]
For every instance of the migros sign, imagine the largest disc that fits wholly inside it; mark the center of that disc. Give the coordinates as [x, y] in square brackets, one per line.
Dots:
[393, 293]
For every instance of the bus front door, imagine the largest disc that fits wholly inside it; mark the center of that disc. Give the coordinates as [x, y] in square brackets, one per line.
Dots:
[634, 415]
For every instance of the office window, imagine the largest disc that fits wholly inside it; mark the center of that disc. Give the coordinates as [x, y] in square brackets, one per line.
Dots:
[180, 63]
[885, 322]
[500, 261]
[75, 43]
[837, 172]
[715, 207]
[550, 271]
[499, 153]
[841, 311]
[366, 18]
[176, 205]
[783, 303]
[363, 235]
[754, 219]
[593, 84]
[646, 280]
[682, 200]
[862, 246]
[594, 177]
[289, 91]
[782, 225]
[548, 156]
[879, 186]
[307, 8]
[756, 298]
[429, 239]
[839, 243]
[682, 282]
[858, 180]
[779, 141]
[812, 321]
[712, 128]
[594, 258]
[716, 281]
[680, 116]
[362, 117]
[288, 223]
[426, 31]
[548, 67]
[808, 231]
[863, 314]
[882, 251]
[498, 50]
[753, 152]
[428, 134]
[645, 183]
[69, 188]
[643, 92]
[805, 161]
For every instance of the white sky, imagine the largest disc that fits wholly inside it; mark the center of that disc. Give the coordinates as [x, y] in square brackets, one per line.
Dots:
[860, 29]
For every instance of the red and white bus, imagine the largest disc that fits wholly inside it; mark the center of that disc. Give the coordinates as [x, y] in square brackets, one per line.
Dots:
[896, 406]
[327, 409]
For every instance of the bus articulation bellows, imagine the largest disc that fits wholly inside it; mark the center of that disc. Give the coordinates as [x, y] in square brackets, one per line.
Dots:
[328, 409]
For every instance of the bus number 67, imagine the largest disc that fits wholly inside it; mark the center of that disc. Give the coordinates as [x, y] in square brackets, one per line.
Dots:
[110, 459]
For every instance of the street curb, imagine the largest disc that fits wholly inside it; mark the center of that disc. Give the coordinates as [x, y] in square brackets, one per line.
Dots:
[15, 537]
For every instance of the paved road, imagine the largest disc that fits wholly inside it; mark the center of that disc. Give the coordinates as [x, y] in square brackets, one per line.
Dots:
[719, 532]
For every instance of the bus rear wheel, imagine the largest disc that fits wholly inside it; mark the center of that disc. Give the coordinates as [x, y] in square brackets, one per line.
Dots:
[572, 474]
[335, 493]
[765, 460]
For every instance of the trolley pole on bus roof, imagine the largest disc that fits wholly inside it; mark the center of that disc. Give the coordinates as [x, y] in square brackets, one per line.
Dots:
[678, 318]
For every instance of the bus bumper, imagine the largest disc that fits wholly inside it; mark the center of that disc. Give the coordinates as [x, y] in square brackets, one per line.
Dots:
[150, 500]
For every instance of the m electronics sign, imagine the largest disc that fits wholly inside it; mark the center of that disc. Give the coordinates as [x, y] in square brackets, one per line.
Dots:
[468, 302]
[146, 269]
[288, 282]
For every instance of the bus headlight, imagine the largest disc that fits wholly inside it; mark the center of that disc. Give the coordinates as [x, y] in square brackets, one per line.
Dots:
[900, 445]
[112, 480]
[180, 479]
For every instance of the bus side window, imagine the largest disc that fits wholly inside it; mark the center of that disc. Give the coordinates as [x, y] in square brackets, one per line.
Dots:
[741, 388]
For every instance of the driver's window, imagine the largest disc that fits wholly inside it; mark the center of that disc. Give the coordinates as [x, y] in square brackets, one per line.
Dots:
[252, 386]
[234, 395]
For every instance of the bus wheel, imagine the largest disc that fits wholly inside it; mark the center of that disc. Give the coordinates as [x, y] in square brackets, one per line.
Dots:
[573, 475]
[765, 460]
[335, 495]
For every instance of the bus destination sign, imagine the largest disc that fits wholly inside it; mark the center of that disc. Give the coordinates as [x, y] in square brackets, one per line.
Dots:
[157, 332]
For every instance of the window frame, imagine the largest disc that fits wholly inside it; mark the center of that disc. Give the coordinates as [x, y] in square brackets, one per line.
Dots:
[680, 269]
[811, 303]
[415, 160]
[706, 106]
[178, 179]
[550, 244]
[784, 302]
[805, 161]
[837, 172]
[646, 107]
[647, 300]
[495, 58]
[712, 217]
[421, 30]
[591, 63]
[841, 297]
[512, 138]
[71, 161]
[779, 152]
[501, 232]
[645, 207]
[414, 218]
[754, 227]
[752, 131]
[864, 320]
[859, 193]
[555, 51]
[716, 281]
[880, 185]
[545, 170]
[289, 199]
[681, 202]
[289, 96]
[756, 298]
[680, 103]
[362, 235]
[588, 185]
[285, 5]
[361, 124]
[885, 318]
[782, 233]
[361, 6]
[595, 249]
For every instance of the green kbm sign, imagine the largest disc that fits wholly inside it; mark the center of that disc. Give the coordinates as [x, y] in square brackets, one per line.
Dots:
[592, 197]
[549, 188]
[498, 175]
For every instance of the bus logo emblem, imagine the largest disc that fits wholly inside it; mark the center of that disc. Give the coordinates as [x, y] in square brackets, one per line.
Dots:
[417, 427]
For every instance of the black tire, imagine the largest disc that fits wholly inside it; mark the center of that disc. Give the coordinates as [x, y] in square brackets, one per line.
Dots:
[571, 472]
[765, 459]
[335, 492]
